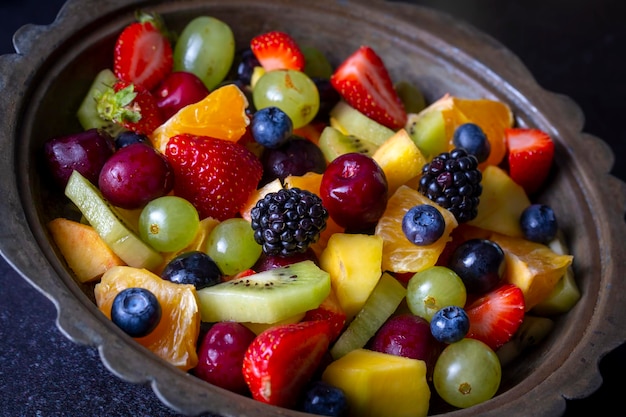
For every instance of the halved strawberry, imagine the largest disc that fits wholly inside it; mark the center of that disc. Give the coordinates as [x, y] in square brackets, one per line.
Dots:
[277, 50]
[281, 361]
[217, 176]
[363, 81]
[331, 311]
[496, 316]
[134, 108]
[143, 52]
[531, 152]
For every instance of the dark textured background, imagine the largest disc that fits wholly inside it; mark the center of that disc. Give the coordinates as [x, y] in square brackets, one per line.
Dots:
[577, 48]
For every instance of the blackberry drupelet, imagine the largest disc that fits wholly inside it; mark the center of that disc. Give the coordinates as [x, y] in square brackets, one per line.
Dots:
[288, 221]
[452, 180]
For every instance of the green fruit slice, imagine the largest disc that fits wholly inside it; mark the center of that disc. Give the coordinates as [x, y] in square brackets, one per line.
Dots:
[88, 115]
[428, 131]
[411, 97]
[333, 143]
[355, 123]
[266, 297]
[380, 305]
[103, 217]
[532, 331]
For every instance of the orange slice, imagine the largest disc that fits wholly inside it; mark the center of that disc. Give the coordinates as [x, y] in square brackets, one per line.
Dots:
[400, 254]
[221, 114]
[175, 337]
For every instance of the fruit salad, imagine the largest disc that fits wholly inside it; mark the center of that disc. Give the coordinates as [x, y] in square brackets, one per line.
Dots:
[297, 231]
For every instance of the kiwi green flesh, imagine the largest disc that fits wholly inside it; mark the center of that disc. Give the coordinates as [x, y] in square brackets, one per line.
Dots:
[334, 143]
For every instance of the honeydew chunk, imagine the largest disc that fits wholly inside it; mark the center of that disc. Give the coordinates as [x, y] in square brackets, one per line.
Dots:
[381, 385]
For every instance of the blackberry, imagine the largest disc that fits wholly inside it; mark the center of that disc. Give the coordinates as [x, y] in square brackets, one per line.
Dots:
[288, 221]
[452, 180]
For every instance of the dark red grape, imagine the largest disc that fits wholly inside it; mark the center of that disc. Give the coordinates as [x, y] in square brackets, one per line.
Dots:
[135, 175]
[266, 262]
[85, 152]
[296, 157]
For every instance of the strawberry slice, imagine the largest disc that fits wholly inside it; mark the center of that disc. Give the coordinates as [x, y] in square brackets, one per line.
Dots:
[277, 50]
[134, 108]
[531, 152]
[496, 316]
[217, 176]
[331, 311]
[281, 361]
[143, 52]
[363, 82]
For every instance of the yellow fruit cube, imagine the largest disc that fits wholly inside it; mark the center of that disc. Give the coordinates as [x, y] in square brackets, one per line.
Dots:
[381, 385]
[400, 159]
[86, 254]
[353, 262]
[501, 203]
[533, 267]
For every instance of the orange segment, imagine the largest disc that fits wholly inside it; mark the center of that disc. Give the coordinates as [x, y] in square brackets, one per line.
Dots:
[399, 254]
[175, 337]
[491, 115]
[221, 115]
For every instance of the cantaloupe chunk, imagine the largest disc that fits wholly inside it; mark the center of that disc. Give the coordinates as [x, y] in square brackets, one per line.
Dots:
[83, 249]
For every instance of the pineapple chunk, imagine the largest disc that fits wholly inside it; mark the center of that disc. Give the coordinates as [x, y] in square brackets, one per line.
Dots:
[501, 203]
[381, 385]
[400, 159]
[354, 264]
[83, 249]
[533, 267]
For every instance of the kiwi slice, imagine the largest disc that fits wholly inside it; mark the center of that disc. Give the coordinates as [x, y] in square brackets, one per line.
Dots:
[350, 121]
[532, 331]
[87, 113]
[334, 143]
[103, 217]
[266, 297]
[380, 305]
[428, 131]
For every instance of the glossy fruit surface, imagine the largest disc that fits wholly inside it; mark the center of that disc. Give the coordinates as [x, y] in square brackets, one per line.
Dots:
[232, 246]
[538, 223]
[471, 137]
[135, 175]
[479, 263]
[128, 137]
[271, 127]
[321, 398]
[177, 90]
[276, 50]
[354, 191]
[168, 223]
[85, 152]
[531, 152]
[266, 262]
[220, 355]
[449, 324]
[432, 289]
[467, 373]
[195, 268]
[423, 224]
[136, 311]
[296, 157]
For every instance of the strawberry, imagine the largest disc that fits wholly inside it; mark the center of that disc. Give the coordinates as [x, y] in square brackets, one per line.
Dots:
[531, 152]
[281, 361]
[277, 50]
[495, 316]
[217, 176]
[131, 107]
[143, 52]
[331, 311]
[363, 81]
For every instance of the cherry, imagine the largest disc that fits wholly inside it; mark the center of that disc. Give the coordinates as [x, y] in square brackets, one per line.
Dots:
[220, 356]
[135, 175]
[354, 191]
[85, 152]
[177, 90]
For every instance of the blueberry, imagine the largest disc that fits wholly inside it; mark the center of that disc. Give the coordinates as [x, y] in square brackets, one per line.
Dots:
[323, 399]
[471, 137]
[423, 224]
[271, 127]
[126, 138]
[136, 311]
[246, 66]
[479, 263]
[195, 268]
[449, 324]
[328, 97]
[538, 223]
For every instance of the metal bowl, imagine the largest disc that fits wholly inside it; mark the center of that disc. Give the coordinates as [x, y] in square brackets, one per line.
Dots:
[44, 83]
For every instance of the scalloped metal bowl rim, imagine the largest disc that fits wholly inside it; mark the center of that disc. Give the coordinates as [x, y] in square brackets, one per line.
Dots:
[542, 107]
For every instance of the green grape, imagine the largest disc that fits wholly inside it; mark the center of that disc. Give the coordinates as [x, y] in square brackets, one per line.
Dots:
[168, 223]
[206, 47]
[467, 373]
[291, 91]
[232, 246]
[317, 65]
[434, 288]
